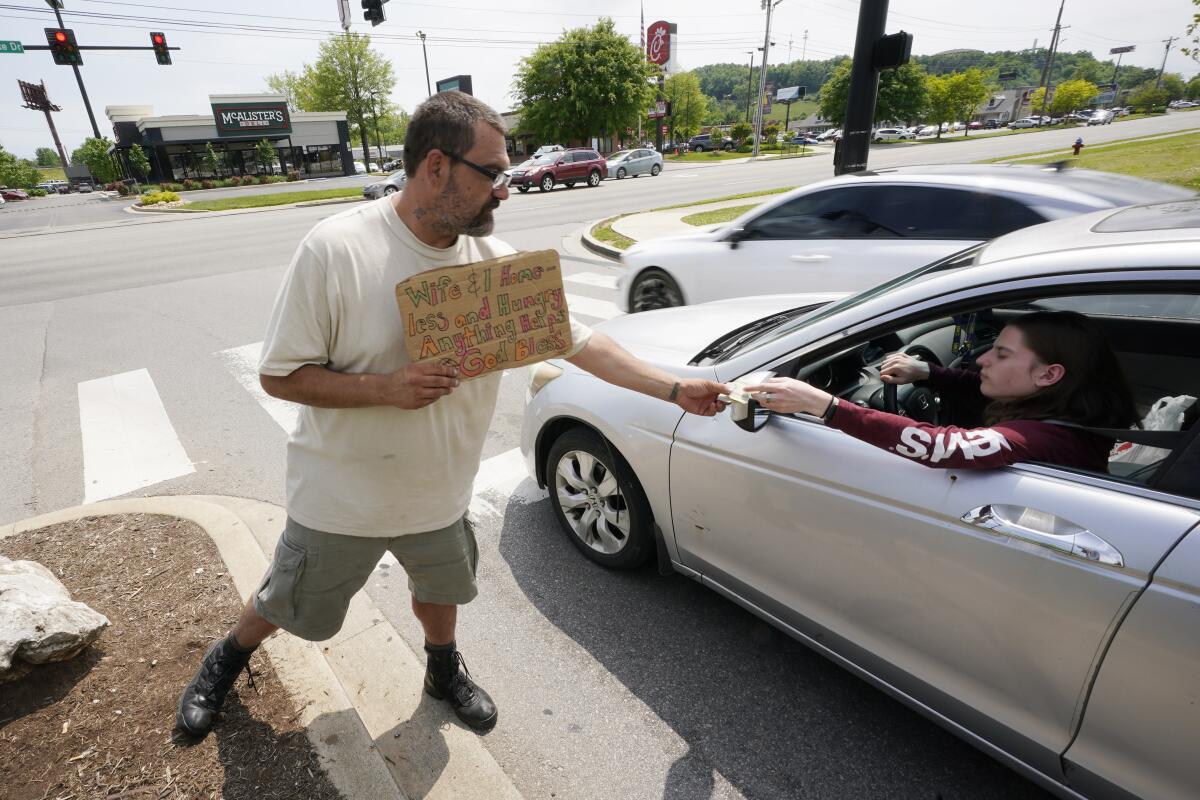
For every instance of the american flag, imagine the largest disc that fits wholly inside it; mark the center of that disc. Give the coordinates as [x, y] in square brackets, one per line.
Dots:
[643, 7]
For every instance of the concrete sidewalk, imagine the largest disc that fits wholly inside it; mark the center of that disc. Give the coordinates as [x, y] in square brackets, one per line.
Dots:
[656, 224]
[360, 693]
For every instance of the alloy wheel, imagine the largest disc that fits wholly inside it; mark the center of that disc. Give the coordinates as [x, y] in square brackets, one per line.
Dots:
[591, 501]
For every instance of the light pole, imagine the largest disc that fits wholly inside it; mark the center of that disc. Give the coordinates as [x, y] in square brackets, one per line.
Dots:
[768, 6]
[749, 84]
[428, 90]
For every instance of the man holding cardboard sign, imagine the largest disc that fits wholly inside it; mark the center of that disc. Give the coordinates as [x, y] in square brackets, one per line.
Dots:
[387, 446]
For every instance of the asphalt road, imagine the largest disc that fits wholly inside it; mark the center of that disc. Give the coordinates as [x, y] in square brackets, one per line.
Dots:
[610, 685]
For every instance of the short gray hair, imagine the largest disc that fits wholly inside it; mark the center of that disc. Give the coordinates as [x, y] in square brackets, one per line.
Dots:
[445, 122]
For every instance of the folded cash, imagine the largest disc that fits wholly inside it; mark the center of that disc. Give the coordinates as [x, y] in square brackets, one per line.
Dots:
[737, 389]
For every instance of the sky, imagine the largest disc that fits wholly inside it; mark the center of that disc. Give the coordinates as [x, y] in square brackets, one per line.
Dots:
[230, 47]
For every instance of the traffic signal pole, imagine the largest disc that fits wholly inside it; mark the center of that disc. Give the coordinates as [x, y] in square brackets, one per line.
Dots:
[79, 78]
[864, 86]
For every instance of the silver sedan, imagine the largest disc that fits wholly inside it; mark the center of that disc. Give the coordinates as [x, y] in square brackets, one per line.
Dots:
[631, 163]
[390, 185]
[1050, 616]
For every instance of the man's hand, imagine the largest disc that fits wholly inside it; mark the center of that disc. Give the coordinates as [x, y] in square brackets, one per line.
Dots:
[418, 385]
[699, 396]
[902, 368]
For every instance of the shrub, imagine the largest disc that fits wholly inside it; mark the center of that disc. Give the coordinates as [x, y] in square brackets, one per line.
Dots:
[745, 149]
[262, 179]
[122, 190]
[188, 183]
[206, 184]
[36, 192]
[159, 197]
[171, 187]
[293, 176]
[236, 180]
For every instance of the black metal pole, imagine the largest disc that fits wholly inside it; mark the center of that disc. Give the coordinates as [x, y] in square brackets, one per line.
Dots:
[658, 126]
[79, 79]
[750, 87]
[428, 90]
[864, 86]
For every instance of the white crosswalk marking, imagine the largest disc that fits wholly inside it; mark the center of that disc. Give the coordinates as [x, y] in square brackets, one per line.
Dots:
[593, 279]
[243, 363]
[128, 440]
[591, 307]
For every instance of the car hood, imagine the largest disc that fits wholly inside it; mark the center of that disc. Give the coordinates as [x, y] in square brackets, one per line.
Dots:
[673, 336]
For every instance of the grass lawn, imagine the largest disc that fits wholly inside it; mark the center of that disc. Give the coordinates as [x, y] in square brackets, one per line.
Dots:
[52, 173]
[718, 215]
[606, 234]
[279, 199]
[1173, 159]
[708, 155]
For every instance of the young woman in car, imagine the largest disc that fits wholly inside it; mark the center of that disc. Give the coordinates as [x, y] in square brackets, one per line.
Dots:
[1046, 365]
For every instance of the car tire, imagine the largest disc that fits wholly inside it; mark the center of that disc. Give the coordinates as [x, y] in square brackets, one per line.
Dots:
[390, 190]
[655, 170]
[698, 148]
[522, 189]
[621, 173]
[653, 289]
[598, 501]
[877, 140]
[594, 178]
[546, 183]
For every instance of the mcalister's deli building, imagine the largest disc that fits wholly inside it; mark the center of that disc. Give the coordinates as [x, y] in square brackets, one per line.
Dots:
[315, 144]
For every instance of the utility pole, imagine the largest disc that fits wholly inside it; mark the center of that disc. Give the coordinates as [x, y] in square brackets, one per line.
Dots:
[769, 7]
[1050, 62]
[789, 49]
[1166, 52]
[428, 89]
[749, 84]
[804, 52]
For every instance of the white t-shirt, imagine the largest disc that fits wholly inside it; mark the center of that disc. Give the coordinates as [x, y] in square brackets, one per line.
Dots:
[376, 471]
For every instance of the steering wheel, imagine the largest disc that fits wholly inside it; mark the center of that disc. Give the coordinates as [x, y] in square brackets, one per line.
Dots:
[918, 403]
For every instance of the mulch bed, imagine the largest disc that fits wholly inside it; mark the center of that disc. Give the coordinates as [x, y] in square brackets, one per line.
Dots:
[100, 725]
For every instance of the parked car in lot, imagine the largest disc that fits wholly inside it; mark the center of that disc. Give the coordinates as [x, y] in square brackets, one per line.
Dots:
[1050, 616]
[853, 231]
[706, 141]
[569, 167]
[1024, 122]
[1101, 117]
[14, 194]
[829, 135]
[389, 185]
[803, 140]
[928, 130]
[631, 163]
[990, 124]
[394, 164]
[891, 135]
[84, 187]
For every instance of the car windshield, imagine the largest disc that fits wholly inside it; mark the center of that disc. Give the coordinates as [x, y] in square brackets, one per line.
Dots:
[619, 156]
[547, 158]
[960, 260]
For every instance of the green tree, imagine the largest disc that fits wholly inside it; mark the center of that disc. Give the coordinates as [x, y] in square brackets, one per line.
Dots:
[47, 157]
[689, 106]
[1070, 95]
[771, 132]
[93, 153]
[138, 161]
[209, 161]
[1193, 30]
[1192, 90]
[265, 153]
[1173, 85]
[1146, 98]
[902, 96]
[591, 81]
[740, 132]
[955, 97]
[17, 173]
[346, 76]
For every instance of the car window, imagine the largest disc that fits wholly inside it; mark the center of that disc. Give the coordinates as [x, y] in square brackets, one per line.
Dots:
[590, 155]
[840, 213]
[932, 212]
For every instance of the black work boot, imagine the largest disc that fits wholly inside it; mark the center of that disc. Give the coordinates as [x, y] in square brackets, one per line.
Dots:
[447, 678]
[203, 697]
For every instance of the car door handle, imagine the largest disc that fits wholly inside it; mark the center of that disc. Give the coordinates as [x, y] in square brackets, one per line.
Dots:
[813, 257]
[1044, 530]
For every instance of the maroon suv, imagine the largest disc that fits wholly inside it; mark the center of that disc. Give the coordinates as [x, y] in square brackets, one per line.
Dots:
[568, 167]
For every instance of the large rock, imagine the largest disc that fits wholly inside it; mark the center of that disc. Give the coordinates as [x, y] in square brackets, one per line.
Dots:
[39, 622]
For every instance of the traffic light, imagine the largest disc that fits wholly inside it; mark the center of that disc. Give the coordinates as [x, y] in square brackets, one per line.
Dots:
[373, 11]
[63, 46]
[892, 51]
[159, 42]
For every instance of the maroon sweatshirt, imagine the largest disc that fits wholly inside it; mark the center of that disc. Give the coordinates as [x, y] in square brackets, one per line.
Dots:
[949, 446]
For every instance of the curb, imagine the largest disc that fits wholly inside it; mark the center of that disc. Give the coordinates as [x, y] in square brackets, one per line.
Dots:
[361, 695]
[135, 208]
[595, 245]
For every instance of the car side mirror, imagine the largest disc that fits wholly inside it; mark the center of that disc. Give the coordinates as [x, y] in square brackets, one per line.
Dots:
[737, 236]
[750, 416]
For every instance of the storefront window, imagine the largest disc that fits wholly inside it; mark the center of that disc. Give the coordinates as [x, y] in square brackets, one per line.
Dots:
[323, 159]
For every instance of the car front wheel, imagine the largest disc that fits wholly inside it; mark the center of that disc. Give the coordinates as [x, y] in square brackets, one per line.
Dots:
[654, 289]
[594, 178]
[598, 500]
[547, 183]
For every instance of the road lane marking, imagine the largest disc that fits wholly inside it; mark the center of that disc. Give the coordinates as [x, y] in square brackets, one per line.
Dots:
[243, 363]
[128, 440]
[593, 279]
[591, 307]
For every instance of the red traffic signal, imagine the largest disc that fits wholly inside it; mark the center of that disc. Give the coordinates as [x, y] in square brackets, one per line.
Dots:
[63, 47]
[162, 53]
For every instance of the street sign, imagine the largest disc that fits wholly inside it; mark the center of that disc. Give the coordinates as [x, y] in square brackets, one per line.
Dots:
[11, 47]
[344, 14]
[659, 110]
[1106, 97]
[459, 83]
[1126, 49]
[789, 94]
[658, 43]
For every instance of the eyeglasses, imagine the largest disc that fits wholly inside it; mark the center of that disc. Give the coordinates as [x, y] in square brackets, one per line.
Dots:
[498, 177]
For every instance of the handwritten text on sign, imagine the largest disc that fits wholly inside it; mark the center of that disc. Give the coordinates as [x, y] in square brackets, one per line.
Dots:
[493, 315]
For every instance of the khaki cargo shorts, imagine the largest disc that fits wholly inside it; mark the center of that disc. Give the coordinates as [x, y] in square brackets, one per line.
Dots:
[313, 575]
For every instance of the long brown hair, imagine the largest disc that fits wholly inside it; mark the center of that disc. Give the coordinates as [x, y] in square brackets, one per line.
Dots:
[1093, 390]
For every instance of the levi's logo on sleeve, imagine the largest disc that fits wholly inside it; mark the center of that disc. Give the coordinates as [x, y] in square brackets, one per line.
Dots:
[915, 443]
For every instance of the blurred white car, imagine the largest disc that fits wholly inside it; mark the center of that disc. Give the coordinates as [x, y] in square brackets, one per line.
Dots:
[631, 163]
[832, 133]
[1023, 122]
[854, 231]
[891, 135]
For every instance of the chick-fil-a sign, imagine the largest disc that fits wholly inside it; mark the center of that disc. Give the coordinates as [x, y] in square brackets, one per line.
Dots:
[658, 43]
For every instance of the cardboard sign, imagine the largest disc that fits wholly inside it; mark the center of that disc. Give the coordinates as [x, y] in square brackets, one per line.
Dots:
[488, 316]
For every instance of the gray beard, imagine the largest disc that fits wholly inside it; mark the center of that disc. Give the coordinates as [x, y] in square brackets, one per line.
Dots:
[450, 218]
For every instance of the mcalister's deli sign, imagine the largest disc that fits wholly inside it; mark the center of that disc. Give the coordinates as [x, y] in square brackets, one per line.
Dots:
[241, 119]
